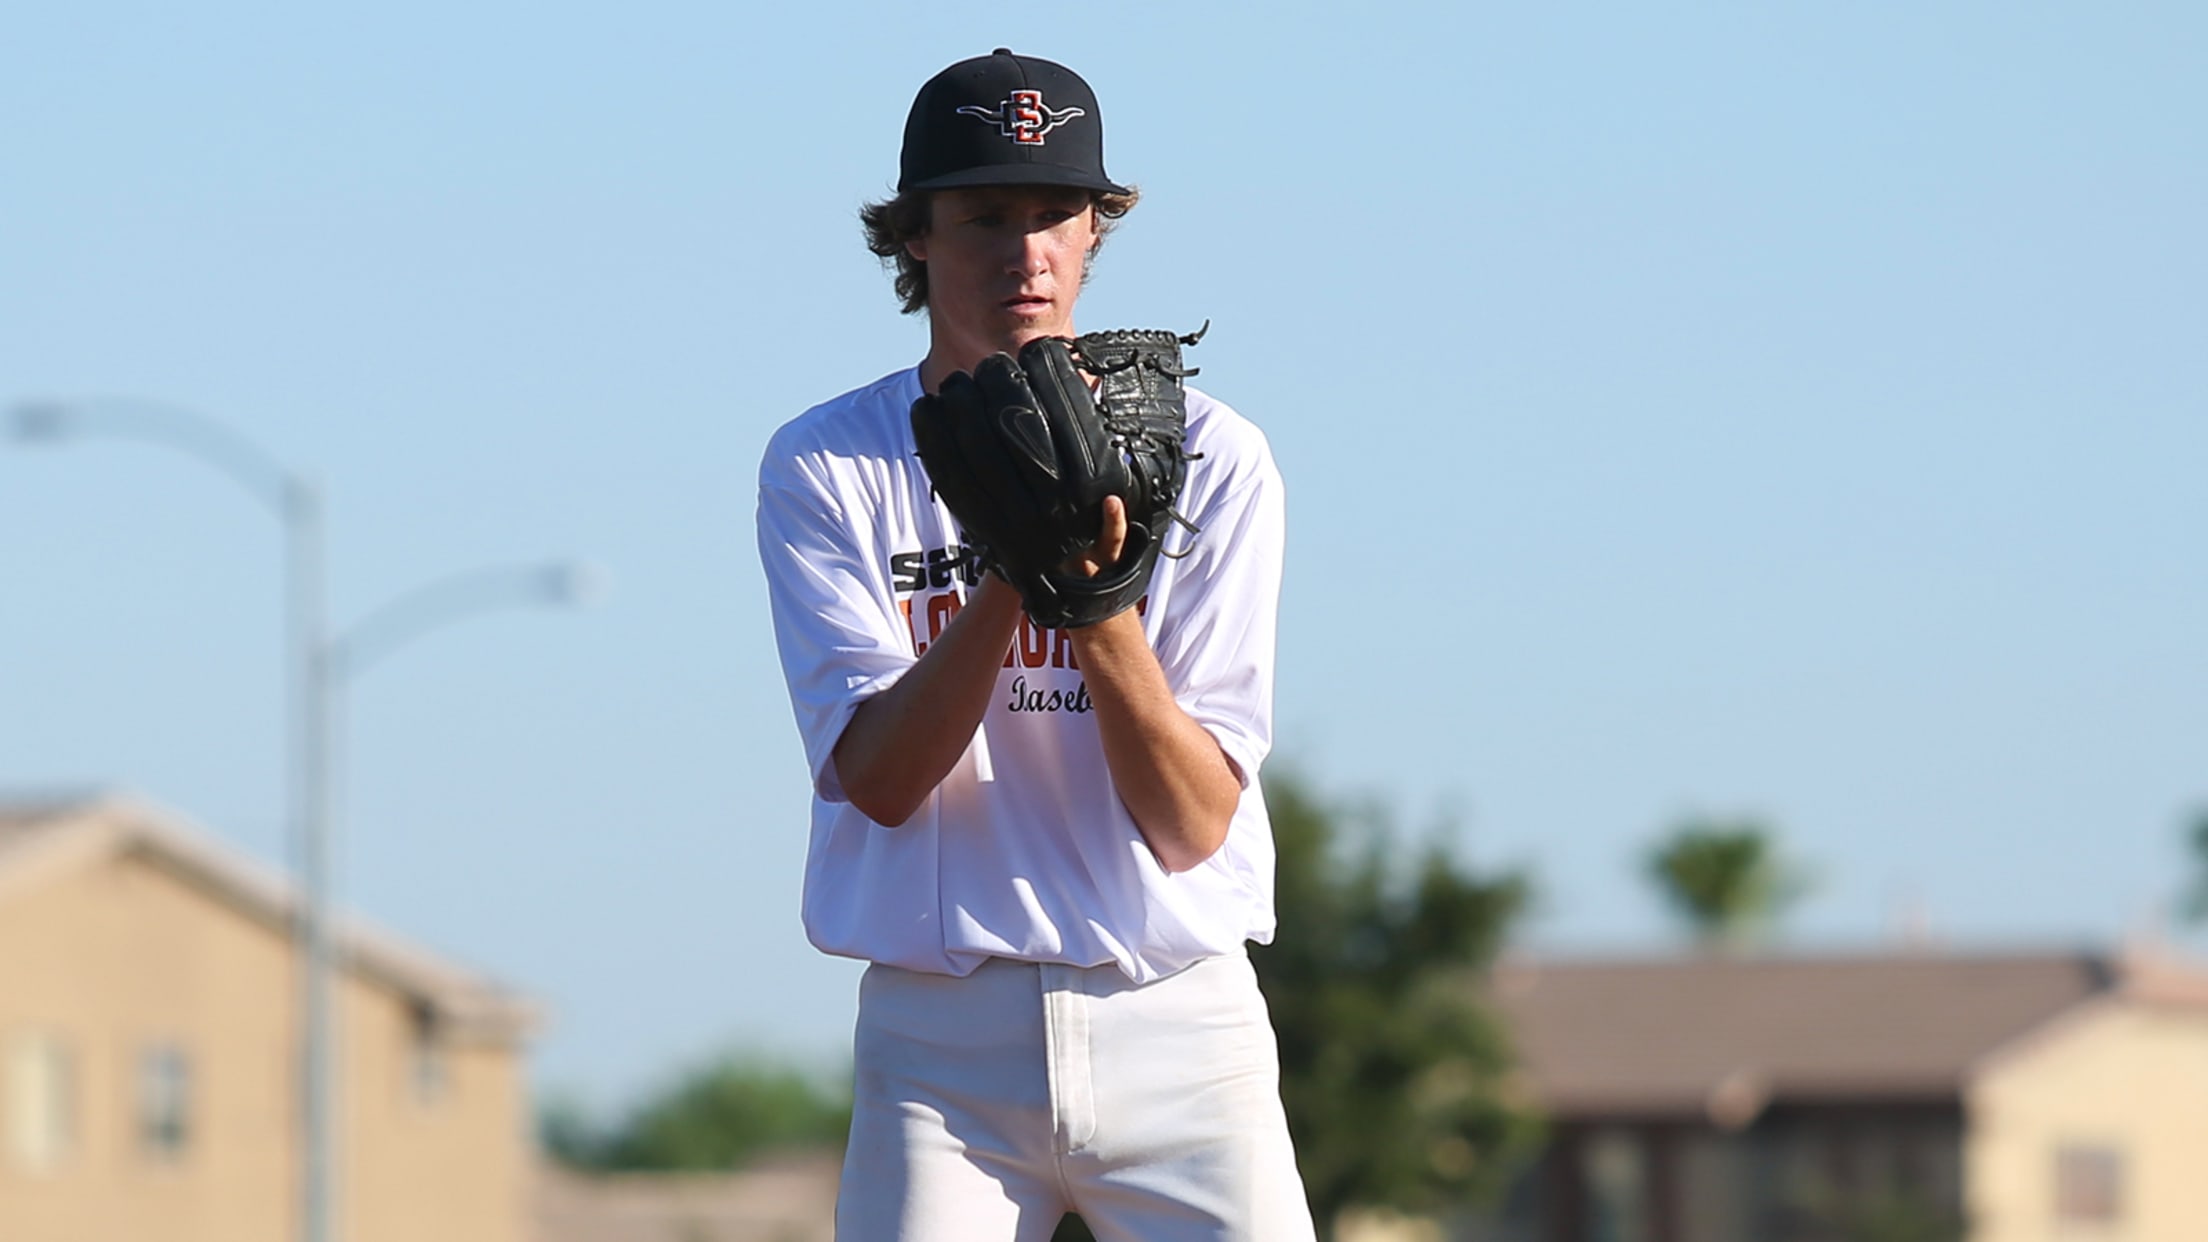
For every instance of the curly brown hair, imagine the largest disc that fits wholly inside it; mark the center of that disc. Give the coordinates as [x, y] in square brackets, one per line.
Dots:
[891, 223]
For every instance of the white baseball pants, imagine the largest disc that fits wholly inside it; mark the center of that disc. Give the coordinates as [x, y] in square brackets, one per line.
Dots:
[985, 1108]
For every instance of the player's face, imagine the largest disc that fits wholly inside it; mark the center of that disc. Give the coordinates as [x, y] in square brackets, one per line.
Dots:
[1004, 265]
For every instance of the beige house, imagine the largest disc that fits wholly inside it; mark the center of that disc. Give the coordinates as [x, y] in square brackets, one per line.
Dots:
[148, 1052]
[1911, 1097]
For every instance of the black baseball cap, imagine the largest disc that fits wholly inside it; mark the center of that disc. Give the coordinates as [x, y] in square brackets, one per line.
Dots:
[1003, 119]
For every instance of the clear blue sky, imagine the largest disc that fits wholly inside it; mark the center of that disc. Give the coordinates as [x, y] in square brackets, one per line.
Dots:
[1795, 410]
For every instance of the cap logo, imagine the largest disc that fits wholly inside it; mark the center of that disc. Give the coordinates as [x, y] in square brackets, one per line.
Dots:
[1023, 117]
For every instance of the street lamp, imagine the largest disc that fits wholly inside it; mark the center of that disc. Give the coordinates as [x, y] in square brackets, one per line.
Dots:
[297, 503]
[320, 666]
[446, 600]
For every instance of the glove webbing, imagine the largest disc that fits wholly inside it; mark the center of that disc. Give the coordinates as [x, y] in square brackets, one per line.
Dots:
[1130, 402]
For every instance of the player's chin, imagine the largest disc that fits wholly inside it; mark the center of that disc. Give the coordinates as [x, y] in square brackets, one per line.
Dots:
[1019, 337]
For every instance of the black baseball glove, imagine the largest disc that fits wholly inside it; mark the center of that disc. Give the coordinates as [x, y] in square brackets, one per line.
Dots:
[1024, 456]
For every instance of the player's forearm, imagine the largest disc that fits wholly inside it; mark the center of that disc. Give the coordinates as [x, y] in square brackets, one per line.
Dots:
[902, 742]
[1170, 773]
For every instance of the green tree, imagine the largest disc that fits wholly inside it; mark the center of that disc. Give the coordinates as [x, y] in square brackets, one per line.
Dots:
[1724, 878]
[568, 1133]
[718, 1116]
[1393, 1069]
[2193, 906]
[1884, 1215]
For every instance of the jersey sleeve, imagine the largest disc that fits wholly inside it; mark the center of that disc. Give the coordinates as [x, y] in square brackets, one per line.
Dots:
[834, 623]
[1216, 641]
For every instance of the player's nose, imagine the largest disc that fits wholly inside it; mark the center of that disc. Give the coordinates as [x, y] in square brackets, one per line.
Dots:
[1032, 256]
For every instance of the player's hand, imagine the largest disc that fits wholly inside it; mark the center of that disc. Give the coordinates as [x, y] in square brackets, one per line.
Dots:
[1104, 553]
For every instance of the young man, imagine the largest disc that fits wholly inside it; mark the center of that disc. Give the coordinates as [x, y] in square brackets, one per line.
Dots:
[1051, 844]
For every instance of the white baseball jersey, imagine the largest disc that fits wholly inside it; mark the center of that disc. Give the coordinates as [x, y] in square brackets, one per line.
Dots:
[1024, 851]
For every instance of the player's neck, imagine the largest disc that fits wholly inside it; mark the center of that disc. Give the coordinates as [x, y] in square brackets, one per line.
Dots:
[939, 364]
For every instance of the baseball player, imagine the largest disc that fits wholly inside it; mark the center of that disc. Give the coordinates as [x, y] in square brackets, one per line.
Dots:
[1050, 843]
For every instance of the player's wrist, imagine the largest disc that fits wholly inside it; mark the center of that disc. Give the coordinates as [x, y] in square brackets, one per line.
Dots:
[1120, 632]
[994, 595]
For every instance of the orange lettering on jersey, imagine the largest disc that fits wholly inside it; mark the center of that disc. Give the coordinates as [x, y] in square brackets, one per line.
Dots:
[1034, 642]
[933, 619]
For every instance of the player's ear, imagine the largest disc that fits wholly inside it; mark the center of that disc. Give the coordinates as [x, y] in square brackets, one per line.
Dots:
[1096, 227]
[920, 223]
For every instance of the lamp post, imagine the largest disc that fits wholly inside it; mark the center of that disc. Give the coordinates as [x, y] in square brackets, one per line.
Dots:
[297, 503]
[319, 667]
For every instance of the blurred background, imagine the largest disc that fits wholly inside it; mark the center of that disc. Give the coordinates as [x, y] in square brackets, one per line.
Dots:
[1744, 514]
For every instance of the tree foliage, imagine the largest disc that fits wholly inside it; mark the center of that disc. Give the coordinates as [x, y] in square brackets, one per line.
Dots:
[1724, 878]
[717, 1116]
[1884, 1215]
[2193, 906]
[1393, 1069]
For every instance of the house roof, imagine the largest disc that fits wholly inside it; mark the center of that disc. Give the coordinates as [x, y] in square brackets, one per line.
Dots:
[42, 839]
[1721, 1037]
[790, 1197]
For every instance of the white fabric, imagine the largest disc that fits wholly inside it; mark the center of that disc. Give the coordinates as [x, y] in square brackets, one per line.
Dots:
[987, 1107]
[1024, 851]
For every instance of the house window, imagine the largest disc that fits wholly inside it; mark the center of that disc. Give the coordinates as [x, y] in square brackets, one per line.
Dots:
[1616, 1172]
[165, 1102]
[41, 1090]
[428, 1055]
[2089, 1184]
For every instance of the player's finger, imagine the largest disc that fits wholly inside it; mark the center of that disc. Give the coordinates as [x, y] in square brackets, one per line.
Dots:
[1113, 539]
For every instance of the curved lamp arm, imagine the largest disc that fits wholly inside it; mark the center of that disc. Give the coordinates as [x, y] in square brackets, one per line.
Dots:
[454, 598]
[41, 422]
